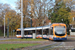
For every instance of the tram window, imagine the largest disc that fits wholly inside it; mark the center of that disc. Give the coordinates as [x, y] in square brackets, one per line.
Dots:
[39, 32]
[45, 32]
[33, 31]
[29, 33]
[18, 32]
[25, 32]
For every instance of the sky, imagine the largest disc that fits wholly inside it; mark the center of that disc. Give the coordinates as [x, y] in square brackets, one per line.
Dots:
[11, 2]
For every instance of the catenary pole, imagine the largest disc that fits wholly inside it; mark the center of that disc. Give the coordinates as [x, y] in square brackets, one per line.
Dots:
[4, 26]
[22, 19]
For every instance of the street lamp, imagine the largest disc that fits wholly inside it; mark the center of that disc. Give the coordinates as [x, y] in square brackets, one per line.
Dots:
[22, 19]
[4, 26]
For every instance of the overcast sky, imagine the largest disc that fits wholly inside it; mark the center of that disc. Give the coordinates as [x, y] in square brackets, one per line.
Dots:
[11, 2]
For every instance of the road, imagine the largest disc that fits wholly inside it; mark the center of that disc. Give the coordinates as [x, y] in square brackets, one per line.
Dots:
[69, 44]
[1, 38]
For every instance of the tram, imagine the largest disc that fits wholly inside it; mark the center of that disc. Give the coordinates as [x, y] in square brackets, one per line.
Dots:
[28, 32]
[58, 31]
[55, 31]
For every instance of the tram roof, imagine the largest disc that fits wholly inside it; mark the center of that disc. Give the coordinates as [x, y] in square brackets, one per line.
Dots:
[37, 28]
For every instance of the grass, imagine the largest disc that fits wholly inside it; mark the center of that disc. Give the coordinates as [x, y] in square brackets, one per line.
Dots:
[14, 46]
[1, 33]
[24, 40]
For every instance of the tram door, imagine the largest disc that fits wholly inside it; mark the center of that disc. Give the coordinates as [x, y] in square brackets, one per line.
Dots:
[50, 33]
[39, 34]
[45, 33]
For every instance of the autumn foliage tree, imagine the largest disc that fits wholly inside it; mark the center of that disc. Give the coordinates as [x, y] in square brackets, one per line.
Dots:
[14, 19]
[71, 18]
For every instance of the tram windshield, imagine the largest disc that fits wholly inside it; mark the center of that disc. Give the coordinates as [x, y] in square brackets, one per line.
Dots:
[60, 30]
[18, 32]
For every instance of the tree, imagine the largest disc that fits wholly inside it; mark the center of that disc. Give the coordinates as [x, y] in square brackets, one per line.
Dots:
[41, 9]
[60, 13]
[35, 9]
[72, 15]
[14, 19]
[25, 9]
[4, 8]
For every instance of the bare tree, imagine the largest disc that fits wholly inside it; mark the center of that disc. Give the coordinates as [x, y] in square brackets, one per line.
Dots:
[4, 8]
[36, 9]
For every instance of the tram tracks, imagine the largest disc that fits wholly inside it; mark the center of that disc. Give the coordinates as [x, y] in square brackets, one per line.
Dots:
[54, 46]
[48, 47]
